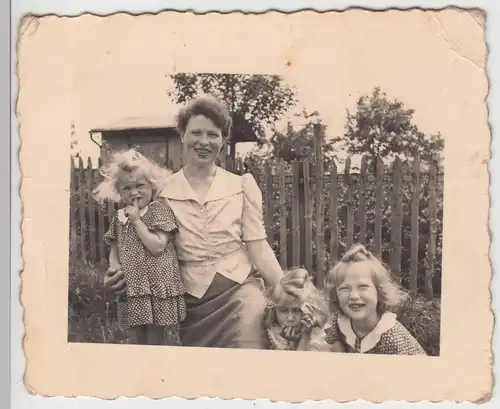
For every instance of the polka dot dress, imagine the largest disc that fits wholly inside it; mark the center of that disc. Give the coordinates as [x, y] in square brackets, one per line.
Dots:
[395, 341]
[154, 292]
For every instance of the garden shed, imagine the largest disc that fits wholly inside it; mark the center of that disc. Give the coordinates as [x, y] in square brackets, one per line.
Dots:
[157, 138]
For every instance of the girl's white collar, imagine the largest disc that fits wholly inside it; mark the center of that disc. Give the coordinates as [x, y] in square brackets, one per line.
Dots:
[124, 219]
[386, 322]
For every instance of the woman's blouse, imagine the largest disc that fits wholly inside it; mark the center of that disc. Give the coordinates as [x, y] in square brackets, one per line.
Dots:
[212, 232]
[388, 337]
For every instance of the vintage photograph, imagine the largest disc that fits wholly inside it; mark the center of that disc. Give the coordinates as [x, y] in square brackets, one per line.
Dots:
[241, 221]
[229, 195]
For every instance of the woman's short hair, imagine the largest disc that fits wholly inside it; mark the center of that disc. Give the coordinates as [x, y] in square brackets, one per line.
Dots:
[211, 108]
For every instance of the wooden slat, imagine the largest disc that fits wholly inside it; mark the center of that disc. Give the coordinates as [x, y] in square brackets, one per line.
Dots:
[362, 204]
[334, 224]
[415, 198]
[320, 217]
[379, 197]
[349, 204]
[100, 228]
[91, 207]
[431, 249]
[308, 218]
[82, 210]
[295, 215]
[269, 200]
[283, 216]
[73, 214]
[397, 220]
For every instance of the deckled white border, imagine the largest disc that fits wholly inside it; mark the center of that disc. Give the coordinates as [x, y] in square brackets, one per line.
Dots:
[20, 398]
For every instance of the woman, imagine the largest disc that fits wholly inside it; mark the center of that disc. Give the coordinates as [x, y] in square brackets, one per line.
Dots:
[221, 243]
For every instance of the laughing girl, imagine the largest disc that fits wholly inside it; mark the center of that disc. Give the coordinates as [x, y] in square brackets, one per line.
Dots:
[363, 298]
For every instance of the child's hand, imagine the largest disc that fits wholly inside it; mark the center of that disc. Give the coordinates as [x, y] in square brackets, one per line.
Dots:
[308, 320]
[132, 212]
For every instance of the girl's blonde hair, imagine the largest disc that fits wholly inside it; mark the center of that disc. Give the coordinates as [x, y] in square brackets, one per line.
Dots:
[390, 294]
[296, 285]
[131, 162]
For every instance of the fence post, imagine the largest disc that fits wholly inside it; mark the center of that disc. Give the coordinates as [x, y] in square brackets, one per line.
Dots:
[415, 198]
[100, 222]
[269, 203]
[308, 217]
[349, 204]
[379, 196]
[320, 234]
[362, 205]
[334, 224]
[283, 216]
[295, 214]
[83, 208]
[92, 225]
[397, 219]
[431, 249]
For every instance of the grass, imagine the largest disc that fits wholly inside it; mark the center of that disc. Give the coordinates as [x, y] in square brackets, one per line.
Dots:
[92, 313]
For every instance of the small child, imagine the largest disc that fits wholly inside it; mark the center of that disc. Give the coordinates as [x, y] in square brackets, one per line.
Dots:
[141, 240]
[362, 298]
[296, 314]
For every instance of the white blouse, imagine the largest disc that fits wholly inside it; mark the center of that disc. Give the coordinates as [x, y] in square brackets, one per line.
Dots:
[212, 233]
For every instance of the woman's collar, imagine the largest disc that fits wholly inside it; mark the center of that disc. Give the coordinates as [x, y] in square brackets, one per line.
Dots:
[224, 184]
[386, 322]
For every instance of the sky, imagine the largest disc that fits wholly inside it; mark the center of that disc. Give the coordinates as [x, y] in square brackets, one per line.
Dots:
[419, 58]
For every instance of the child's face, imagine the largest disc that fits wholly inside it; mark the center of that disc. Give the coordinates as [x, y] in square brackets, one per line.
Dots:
[357, 294]
[289, 314]
[133, 187]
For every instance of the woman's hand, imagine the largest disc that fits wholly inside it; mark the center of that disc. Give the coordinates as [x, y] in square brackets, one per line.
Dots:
[114, 281]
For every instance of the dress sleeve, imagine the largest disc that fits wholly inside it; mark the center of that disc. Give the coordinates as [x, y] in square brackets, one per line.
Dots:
[399, 341]
[332, 333]
[252, 216]
[110, 235]
[162, 217]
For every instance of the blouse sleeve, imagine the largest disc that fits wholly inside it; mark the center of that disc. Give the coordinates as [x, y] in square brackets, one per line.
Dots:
[162, 217]
[110, 235]
[252, 217]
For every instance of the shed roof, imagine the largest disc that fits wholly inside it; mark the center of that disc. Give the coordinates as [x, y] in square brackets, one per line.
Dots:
[143, 122]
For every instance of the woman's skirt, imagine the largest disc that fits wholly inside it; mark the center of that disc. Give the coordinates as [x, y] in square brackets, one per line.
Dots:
[229, 315]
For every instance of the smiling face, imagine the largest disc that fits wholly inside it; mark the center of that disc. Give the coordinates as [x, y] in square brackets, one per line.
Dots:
[202, 141]
[134, 186]
[357, 294]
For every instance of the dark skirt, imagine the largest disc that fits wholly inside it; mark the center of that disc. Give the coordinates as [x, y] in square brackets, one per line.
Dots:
[229, 315]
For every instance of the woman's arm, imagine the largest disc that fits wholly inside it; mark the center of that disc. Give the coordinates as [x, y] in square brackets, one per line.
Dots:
[114, 261]
[263, 258]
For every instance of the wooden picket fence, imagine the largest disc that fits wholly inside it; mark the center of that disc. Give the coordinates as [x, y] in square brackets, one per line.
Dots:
[295, 203]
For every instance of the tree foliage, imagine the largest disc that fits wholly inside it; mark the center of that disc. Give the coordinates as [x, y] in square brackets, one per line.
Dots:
[255, 101]
[383, 127]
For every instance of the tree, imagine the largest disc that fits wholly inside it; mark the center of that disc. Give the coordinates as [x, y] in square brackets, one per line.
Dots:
[295, 142]
[385, 128]
[255, 101]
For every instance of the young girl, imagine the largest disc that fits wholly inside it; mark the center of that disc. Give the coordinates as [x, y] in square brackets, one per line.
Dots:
[296, 314]
[142, 248]
[363, 298]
